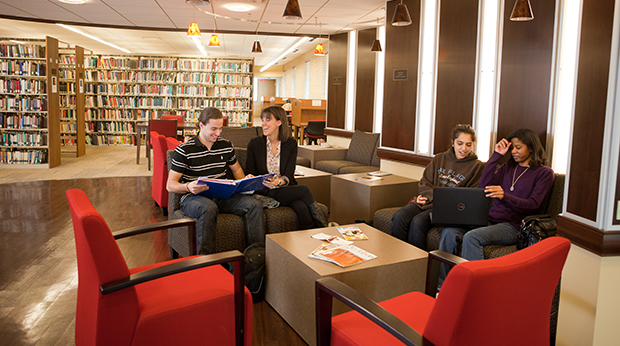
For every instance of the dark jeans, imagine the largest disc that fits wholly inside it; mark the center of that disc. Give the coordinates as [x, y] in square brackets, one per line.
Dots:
[299, 198]
[205, 210]
[411, 224]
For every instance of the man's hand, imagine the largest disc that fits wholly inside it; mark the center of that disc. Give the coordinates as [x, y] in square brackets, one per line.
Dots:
[421, 200]
[195, 188]
[494, 191]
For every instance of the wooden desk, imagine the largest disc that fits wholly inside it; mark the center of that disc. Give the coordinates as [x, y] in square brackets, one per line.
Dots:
[398, 269]
[316, 153]
[303, 111]
[355, 200]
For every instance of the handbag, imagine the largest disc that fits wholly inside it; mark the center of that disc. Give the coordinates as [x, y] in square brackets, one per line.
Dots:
[534, 228]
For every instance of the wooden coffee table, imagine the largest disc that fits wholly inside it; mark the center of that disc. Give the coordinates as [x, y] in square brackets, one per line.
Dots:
[399, 268]
[318, 182]
[355, 200]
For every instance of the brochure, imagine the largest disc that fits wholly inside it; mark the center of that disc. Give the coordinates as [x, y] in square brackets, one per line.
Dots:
[379, 174]
[344, 256]
[225, 188]
[368, 179]
[352, 233]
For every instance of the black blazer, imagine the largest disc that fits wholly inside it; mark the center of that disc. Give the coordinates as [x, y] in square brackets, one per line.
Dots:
[256, 163]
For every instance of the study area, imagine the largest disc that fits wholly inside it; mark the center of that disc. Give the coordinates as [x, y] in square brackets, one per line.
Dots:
[356, 110]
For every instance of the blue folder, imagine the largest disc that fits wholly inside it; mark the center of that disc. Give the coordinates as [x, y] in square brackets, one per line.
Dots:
[226, 188]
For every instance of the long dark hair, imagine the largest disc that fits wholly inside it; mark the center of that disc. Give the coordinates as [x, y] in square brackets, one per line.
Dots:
[531, 140]
[277, 113]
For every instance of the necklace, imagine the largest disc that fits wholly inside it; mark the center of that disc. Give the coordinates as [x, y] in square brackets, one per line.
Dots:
[512, 187]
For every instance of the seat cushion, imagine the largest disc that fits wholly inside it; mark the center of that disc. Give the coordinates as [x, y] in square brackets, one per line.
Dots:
[302, 161]
[181, 309]
[334, 166]
[351, 328]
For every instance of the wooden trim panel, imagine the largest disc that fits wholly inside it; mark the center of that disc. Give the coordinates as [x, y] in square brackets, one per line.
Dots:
[365, 85]
[590, 108]
[390, 154]
[337, 80]
[456, 68]
[339, 133]
[602, 243]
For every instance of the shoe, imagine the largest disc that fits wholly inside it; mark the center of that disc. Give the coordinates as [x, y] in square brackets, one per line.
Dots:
[333, 224]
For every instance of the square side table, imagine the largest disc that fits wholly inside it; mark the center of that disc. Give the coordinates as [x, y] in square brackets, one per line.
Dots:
[318, 182]
[316, 153]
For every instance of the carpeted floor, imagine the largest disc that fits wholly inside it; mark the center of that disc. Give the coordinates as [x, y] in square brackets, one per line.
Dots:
[99, 162]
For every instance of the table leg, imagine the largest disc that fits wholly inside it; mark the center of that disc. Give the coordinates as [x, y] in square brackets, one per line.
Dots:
[137, 139]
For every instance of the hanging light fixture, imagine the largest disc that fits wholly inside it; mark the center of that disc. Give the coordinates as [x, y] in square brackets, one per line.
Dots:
[376, 46]
[522, 11]
[292, 10]
[193, 30]
[214, 41]
[318, 50]
[401, 15]
[256, 48]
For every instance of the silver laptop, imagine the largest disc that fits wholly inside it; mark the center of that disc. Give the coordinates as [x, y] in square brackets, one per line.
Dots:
[454, 206]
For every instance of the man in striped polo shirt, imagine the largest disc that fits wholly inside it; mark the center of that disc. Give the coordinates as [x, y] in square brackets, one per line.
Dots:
[207, 155]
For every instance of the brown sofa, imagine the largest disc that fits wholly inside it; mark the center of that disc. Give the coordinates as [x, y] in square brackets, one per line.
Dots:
[361, 156]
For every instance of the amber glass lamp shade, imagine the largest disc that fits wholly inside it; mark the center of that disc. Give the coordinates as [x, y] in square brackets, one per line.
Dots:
[522, 11]
[214, 41]
[401, 16]
[193, 30]
[376, 46]
[256, 48]
[292, 10]
[319, 51]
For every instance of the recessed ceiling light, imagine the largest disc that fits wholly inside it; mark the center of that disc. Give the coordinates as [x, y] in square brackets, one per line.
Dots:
[239, 7]
[73, 2]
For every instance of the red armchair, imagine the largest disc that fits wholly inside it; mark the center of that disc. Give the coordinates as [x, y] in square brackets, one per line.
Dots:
[179, 119]
[501, 301]
[180, 302]
[167, 128]
[160, 171]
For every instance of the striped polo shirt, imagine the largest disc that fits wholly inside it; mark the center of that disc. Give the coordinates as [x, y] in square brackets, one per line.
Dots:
[194, 160]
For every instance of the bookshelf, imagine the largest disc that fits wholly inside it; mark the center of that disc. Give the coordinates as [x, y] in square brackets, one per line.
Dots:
[29, 104]
[71, 96]
[123, 90]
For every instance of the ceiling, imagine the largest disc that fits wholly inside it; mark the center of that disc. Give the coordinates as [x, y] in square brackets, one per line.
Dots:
[158, 27]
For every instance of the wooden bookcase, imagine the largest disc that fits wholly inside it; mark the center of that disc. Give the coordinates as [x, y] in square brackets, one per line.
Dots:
[123, 90]
[29, 112]
[71, 96]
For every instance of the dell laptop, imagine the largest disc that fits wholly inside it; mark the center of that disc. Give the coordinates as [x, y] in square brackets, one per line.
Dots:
[455, 206]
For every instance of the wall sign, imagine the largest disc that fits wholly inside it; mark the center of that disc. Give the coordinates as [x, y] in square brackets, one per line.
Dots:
[400, 75]
[54, 84]
[337, 81]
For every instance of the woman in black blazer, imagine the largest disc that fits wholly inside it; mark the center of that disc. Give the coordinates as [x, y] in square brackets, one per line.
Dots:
[276, 152]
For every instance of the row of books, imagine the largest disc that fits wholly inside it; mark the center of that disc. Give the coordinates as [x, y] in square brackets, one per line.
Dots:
[158, 64]
[218, 103]
[130, 77]
[24, 157]
[22, 86]
[68, 114]
[208, 91]
[110, 140]
[21, 104]
[127, 102]
[22, 68]
[94, 62]
[66, 87]
[109, 114]
[213, 78]
[22, 51]
[212, 65]
[67, 100]
[24, 121]
[233, 92]
[22, 139]
[112, 126]
[68, 127]
[110, 62]
[68, 142]
[66, 74]
[67, 59]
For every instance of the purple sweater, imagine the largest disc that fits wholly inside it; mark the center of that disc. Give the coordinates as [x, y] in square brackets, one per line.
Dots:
[528, 195]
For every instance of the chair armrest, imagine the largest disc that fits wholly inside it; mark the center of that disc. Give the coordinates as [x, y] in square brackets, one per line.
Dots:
[432, 268]
[157, 226]
[177, 267]
[328, 287]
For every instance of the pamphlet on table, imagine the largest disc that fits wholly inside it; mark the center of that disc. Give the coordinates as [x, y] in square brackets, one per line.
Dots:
[352, 233]
[368, 179]
[379, 174]
[340, 252]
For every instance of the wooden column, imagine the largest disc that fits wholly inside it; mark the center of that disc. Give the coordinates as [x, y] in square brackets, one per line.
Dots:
[53, 111]
[337, 80]
[80, 140]
[365, 84]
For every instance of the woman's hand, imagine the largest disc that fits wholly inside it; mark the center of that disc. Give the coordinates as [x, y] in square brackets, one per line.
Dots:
[421, 200]
[502, 146]
[273, 183]
[195, 188]
[494, 191]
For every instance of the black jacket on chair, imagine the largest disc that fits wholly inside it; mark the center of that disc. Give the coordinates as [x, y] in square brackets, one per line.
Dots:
[256, 163]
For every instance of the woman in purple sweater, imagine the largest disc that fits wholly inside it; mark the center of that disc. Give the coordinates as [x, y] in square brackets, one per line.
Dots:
[518, 187]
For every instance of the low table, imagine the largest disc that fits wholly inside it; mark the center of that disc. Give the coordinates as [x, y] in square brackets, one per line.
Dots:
[355, 200]
[318, 182]
[290, 282]
[316, 153]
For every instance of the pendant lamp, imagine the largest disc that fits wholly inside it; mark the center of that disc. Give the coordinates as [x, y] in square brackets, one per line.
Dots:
[319, 51]
[256, 48]
[292, 10]
[193, 30]
[376, 46]
[214, 41]
[401, 15]
[522, 11]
